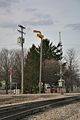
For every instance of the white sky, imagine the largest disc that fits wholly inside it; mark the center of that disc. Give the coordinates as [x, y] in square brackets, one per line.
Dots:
[48, 16]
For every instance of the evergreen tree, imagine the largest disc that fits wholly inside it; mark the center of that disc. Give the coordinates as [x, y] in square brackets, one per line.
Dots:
[47, 49]
[31, 70]
[50, 51]
[32, 64]
[50, 68]
[58, 51]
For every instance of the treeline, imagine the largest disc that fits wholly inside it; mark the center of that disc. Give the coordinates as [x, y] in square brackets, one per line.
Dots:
[51, 54]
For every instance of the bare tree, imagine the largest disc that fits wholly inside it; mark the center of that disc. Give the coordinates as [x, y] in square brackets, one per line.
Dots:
[10, 59]
[4, 64]
[72, 73]
[17, 68]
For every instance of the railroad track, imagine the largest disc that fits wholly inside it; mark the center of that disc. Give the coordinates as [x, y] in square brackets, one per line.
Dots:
[19, 111]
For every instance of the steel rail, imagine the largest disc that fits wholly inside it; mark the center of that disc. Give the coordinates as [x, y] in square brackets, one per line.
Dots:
[15, 112]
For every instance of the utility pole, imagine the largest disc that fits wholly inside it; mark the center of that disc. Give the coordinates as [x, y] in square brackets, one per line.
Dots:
[21, 41]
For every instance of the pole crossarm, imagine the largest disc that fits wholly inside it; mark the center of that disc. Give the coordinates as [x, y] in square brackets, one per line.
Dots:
[22, 27]
[21, 31]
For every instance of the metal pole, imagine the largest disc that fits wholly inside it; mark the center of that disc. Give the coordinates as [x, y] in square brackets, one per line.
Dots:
[16, 88]
[60, 70]
[60, 59]
[22, 57]
[60, 62]
[40, 74]
[10, 71]
[10, 83]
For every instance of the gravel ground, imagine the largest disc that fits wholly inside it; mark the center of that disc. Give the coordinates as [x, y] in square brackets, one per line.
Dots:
[12, 99]
[68, 112]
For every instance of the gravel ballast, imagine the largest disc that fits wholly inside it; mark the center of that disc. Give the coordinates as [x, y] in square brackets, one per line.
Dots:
[68, 112]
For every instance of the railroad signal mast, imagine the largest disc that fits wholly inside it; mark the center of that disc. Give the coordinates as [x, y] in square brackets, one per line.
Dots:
[41, 36]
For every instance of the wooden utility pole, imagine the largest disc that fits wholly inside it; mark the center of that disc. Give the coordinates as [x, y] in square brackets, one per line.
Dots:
[21, 41]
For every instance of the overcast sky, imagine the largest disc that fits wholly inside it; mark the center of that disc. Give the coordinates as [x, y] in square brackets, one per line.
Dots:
[48, 16]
